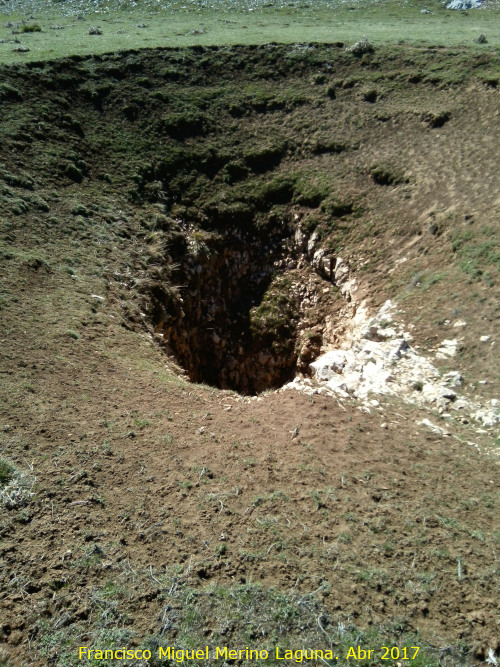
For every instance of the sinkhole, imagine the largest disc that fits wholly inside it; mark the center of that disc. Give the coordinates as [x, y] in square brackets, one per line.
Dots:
[243, 309]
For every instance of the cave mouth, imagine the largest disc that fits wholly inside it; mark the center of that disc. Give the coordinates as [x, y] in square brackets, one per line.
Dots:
[236, 311]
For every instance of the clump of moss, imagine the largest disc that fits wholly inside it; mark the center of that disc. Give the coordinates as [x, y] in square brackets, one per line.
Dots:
[387, 174]
[73, 173]
[262, 158]
[9, 93]
[436, 119]
[336, 208]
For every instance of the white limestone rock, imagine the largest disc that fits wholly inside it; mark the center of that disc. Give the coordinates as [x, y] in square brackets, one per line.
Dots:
[464, 5]
[323, 264]
[340, 272]
[435, 429]
[300, 239]
[378, 359]
[453, 379]
[329, 364]
[488, 418]
[447, 349]
[311, 244]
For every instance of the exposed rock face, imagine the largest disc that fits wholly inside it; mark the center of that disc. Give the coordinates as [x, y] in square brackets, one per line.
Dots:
[329, 365]
[381, 360]
[212, 325]
[463, 5]
[250, 312]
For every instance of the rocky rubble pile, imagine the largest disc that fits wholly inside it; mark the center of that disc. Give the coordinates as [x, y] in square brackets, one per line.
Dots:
[381, 360]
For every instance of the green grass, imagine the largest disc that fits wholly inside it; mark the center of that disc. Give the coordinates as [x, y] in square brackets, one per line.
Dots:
[242, 615]
[176, 24]
[478, 252]
[7, 470]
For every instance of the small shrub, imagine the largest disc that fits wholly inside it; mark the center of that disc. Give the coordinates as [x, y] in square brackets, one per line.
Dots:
[16, 487]
[370, 95]
[265, 157]
[336, 208]
[36, 263]
[490, 81]
[344, 538]
[436, 119]
[221, 550]
[328, 146]
[184, 125]
[224, 213]
[310, 194]
[31, 27]
[72, 172]
[233, 172]
[80, 209]
[7, 470]
[387, 174]
[318, 79]
[8, 92]
[279, 190]
[361, 47]
[39, 203]
[17, 181]
[310, 224]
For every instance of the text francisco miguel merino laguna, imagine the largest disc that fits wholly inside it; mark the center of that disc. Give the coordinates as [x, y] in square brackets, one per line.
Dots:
[218, 653]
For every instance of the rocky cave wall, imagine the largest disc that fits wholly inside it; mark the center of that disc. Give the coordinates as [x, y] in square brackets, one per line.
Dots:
[245, 309]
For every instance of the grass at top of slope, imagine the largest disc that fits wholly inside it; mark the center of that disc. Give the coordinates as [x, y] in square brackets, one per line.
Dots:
[64, 27]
